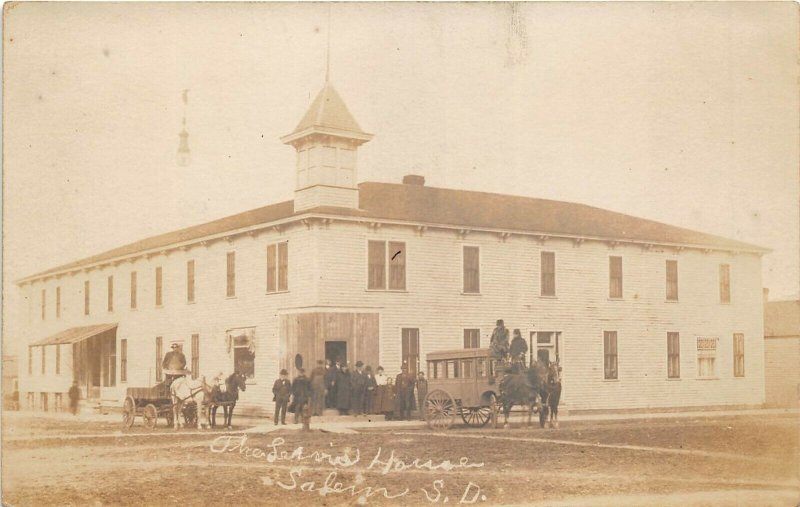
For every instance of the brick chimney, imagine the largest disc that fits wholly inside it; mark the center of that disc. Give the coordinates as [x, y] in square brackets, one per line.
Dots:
[414, 179]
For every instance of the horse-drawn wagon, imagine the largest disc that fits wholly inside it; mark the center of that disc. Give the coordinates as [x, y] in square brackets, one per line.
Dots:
[150, 403]
[461, 382]
[476, 386]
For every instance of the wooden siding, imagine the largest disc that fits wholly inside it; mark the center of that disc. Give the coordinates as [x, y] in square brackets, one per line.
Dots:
[328, 275]
[312, 197]
[306, 334]
[210, 316]
[581, 309]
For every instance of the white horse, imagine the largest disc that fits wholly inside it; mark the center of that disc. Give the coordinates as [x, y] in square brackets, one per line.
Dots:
[184, 389]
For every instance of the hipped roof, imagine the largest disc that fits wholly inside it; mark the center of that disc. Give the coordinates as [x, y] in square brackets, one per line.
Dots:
[431, 206]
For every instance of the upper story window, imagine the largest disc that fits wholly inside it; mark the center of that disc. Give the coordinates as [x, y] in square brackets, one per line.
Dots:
[159, 287]
[672, 280]
[615, 277]
[724, 283]
[190, 281]
[110, 293]
[472, 270]
[548, 275]
[230, 277]
[383, 254]
[278, 267]
[86, 297]
[133, 290]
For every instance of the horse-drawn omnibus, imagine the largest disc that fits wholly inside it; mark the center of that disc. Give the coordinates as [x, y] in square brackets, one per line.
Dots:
[476, 386]
[461, 382]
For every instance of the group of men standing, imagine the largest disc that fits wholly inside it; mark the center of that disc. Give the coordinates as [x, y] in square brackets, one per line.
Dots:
[358, 391]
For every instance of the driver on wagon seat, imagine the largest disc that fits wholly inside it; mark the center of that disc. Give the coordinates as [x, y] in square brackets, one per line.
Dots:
[174, 364]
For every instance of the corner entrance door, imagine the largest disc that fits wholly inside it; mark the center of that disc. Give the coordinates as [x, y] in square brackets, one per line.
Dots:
[336, 351]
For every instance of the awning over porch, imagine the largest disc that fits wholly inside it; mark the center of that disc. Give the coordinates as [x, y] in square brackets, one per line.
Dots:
[75, 334]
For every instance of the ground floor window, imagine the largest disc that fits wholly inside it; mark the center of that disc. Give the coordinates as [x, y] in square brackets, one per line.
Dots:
[738, 355]
[123, 360]
[195, 355]
[242, 341]
[706, 357]
[410, 349]
[472, 338]
[610, 369]
[159, 357]
[673, 355]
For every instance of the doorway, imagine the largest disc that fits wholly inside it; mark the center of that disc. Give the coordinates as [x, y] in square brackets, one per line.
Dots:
[544, 346]
[336, 351]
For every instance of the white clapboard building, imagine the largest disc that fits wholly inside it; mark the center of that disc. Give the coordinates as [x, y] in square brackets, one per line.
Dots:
[640, 314]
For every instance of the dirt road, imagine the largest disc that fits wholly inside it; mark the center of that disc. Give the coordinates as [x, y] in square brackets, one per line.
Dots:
[710, 461]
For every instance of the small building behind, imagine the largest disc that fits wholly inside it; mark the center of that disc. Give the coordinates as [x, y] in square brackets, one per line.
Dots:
[782, 353]
[10, 383]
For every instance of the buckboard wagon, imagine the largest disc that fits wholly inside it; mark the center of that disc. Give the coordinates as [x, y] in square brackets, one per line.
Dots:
[150, 403]
[461, 382]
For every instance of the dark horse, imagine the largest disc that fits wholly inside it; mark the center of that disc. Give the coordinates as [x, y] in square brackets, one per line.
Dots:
[551, 396]
[521, 386]
[226, 399]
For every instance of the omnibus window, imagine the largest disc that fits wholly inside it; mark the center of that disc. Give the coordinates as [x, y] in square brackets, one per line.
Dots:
[466, 368]
[452, 369]
[481, 364]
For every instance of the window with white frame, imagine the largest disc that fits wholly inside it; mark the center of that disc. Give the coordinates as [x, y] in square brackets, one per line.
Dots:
[706, 357]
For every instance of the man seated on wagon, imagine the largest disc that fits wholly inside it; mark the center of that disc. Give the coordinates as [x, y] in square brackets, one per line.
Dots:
[174, 364]
[499, 341]
[518, 349]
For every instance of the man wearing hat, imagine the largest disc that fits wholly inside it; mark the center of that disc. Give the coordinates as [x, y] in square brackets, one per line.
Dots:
[174, 364]
[301, 393]
[281, 390]
[499, 341]
[318, 388]
[422, 392]
[358, 388]
[518, 348]
[404, 392]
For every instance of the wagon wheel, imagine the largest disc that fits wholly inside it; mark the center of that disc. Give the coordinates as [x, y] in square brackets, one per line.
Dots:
[440, 410]
[128, 412]
[150, 416]
[477, 417]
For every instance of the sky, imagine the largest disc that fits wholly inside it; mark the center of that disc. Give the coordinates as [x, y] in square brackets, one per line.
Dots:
[685, 113]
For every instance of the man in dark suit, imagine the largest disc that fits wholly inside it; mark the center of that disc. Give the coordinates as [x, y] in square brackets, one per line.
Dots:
[404, 390]
[281, 390]
[301, 393]
[330, 384]
[358, 388]
[317, 389]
